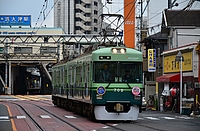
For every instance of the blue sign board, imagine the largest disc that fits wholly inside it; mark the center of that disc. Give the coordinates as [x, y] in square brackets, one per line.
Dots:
[15, 20]
[152, 60]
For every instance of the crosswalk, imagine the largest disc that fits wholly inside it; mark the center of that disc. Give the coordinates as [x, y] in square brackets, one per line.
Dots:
[6, 118]
[166, 117]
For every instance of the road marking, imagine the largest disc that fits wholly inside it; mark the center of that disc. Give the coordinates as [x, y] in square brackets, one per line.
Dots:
[152, 118]
[4, 117]
[45, 116]
[105, 127]
[70, 116]
[184, 117]
[21, 117]
[12, 121]
[140, 118]
[9, 99]
[168, 118]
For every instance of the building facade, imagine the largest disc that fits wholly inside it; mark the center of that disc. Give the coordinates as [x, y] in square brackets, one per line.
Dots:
[78, 16]
[25, 54]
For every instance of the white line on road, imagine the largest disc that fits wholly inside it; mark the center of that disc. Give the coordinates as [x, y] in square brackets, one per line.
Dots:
[152, 118]
[4, 117]
[45, 116]
[21, 117]
[70, 116]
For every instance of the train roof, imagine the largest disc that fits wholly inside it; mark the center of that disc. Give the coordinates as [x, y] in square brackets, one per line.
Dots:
[108, 49]
[104, 51]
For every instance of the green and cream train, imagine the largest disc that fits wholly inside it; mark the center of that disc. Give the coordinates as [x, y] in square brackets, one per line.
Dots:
[104, 84]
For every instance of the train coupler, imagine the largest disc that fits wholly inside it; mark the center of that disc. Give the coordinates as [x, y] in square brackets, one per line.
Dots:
[118, 107]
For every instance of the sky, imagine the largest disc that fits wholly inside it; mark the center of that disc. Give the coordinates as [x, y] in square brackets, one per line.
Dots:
[35, 8]
[29, 7]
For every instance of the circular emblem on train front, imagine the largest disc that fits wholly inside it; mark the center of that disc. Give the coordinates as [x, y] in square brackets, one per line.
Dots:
[136, 91]
[101, 90]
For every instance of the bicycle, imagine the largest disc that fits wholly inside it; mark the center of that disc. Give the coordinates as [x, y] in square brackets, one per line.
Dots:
[151, 101]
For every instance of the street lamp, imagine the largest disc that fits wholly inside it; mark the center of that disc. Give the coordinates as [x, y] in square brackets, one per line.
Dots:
[180, 58]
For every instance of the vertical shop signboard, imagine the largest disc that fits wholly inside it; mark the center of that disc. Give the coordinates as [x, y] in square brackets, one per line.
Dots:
[151, 60]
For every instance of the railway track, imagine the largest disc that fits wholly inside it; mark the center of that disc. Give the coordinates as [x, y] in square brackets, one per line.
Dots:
[38, 126]
[37, 123]
[34, 101]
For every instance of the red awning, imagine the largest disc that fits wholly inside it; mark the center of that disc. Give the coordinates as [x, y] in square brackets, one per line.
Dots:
[168, 78]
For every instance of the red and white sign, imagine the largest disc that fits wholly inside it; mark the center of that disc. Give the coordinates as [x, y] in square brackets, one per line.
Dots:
[136, 91]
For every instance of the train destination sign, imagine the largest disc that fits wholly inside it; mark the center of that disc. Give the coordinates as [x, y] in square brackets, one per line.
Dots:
[15, 20]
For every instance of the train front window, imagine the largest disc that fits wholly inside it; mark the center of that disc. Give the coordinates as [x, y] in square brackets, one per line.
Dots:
[130, 72]
[105, 71]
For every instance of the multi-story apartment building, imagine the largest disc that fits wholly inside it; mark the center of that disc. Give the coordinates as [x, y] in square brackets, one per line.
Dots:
[78, 16]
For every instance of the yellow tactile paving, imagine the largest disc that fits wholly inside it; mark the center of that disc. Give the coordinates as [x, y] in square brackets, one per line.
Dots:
[25, 97]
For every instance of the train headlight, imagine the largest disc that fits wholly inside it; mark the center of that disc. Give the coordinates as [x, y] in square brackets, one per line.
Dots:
[118, 50]
[114, 50]
[123, 51]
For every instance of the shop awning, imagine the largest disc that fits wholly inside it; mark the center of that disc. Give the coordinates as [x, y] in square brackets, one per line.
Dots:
[168, 78]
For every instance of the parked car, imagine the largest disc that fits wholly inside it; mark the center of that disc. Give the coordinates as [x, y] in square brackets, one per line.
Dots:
[144, 104]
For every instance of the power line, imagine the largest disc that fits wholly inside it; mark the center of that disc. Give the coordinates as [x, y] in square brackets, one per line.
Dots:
[39, 14]
[47, 14]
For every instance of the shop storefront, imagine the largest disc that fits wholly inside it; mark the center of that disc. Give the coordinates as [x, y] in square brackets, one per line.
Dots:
[179, 92]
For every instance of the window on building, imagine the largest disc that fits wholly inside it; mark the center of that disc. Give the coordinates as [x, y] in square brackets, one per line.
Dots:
[88, 23]
[88, 6]
[95, 12]
[95, 20]
[95, 3]
[48, 49]
[87, 14]
[78, 19]
[95, 29]
[77, 1]
[23, 50]
[87, 32]
[78, 28]
[78, 11]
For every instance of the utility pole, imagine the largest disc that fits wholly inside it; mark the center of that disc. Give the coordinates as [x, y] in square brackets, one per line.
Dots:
[6, 67]
[141, 21]
[169, 4]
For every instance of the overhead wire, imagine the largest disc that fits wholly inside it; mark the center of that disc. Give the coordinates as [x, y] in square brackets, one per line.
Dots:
[169, 18]
[188, 5]
[92, 16]
[128, 15]
[44, 8]
[39, 16]
[47, 14]
[186, 8]
[46, 2]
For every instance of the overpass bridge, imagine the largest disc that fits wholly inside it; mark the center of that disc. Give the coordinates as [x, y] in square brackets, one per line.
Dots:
[20, 52]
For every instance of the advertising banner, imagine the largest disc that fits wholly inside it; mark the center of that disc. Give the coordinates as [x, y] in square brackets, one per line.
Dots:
[129, 23]
[170, 65]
